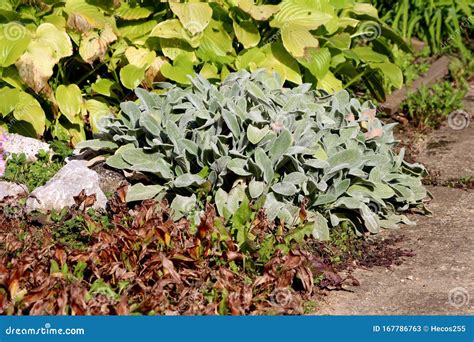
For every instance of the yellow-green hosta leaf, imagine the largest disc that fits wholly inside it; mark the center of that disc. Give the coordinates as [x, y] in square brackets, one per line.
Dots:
[14, 39]
[301, 13]
[362, 8]
[258, 12]
[29, 110]
[10, 98]
[194, 16]
[140, 57]
[251, 59]
[136, 29]
[317, 61]
[131, 76]
[83, 16]
[366, 54]
[94, 46]
[280, 61]
[168, 29]
[391, 72]
[47, 47]
[126, 12]
[209, 71]
[297, 39]
[98, 113]
[341, 41]
[172, 48]
[11, 76]
[179, 71]
[330, 83]
[69, 99]
[216, 44]
[247, 33]
[73, 132]
[104, 86]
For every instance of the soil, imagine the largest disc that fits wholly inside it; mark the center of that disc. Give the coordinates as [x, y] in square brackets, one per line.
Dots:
[439, 279]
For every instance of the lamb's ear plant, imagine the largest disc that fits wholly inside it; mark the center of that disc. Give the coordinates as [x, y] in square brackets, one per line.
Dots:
[314, 161]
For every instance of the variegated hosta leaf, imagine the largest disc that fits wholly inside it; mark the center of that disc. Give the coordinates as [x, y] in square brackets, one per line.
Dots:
[48, 46]
[194, 16]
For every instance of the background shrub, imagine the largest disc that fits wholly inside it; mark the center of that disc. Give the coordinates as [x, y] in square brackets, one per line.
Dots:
[66, 64]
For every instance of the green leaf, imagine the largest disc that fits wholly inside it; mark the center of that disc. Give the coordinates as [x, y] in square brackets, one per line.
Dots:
[246, 33]
[126, 12]
[131, 76]
[29, 110]
[194, 16]
[297, 40]
[14, 39]
[104, 86]
[69, 99]
[317, 61]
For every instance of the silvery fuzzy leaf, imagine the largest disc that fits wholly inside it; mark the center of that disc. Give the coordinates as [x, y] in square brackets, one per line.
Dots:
[150, 123]
[97, 145]
[235, 197]
[238, 167]
[183, 206]
[296, 178]
[272, 206]
[133, 113]
[280, 146]
[220, 199]
[265, 164]
[147, 100]
[231, 122]
[370, 219]
[317, 163]
[254, 134]
[320, 226]
[324, 199]
[188, 179]
[345, 157]
[256, 188]
[140, 192]
[285, 189]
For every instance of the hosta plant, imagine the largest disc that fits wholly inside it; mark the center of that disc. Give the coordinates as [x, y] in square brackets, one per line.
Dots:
[311, 160]
[65, 64]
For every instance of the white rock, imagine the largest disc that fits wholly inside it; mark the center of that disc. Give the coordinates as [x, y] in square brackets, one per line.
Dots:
[15, 143]
[11, 189]
[60, 190]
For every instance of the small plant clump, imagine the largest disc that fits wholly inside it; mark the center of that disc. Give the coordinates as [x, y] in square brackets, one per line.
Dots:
[313, 161]
[34, 174]
[429, 107]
